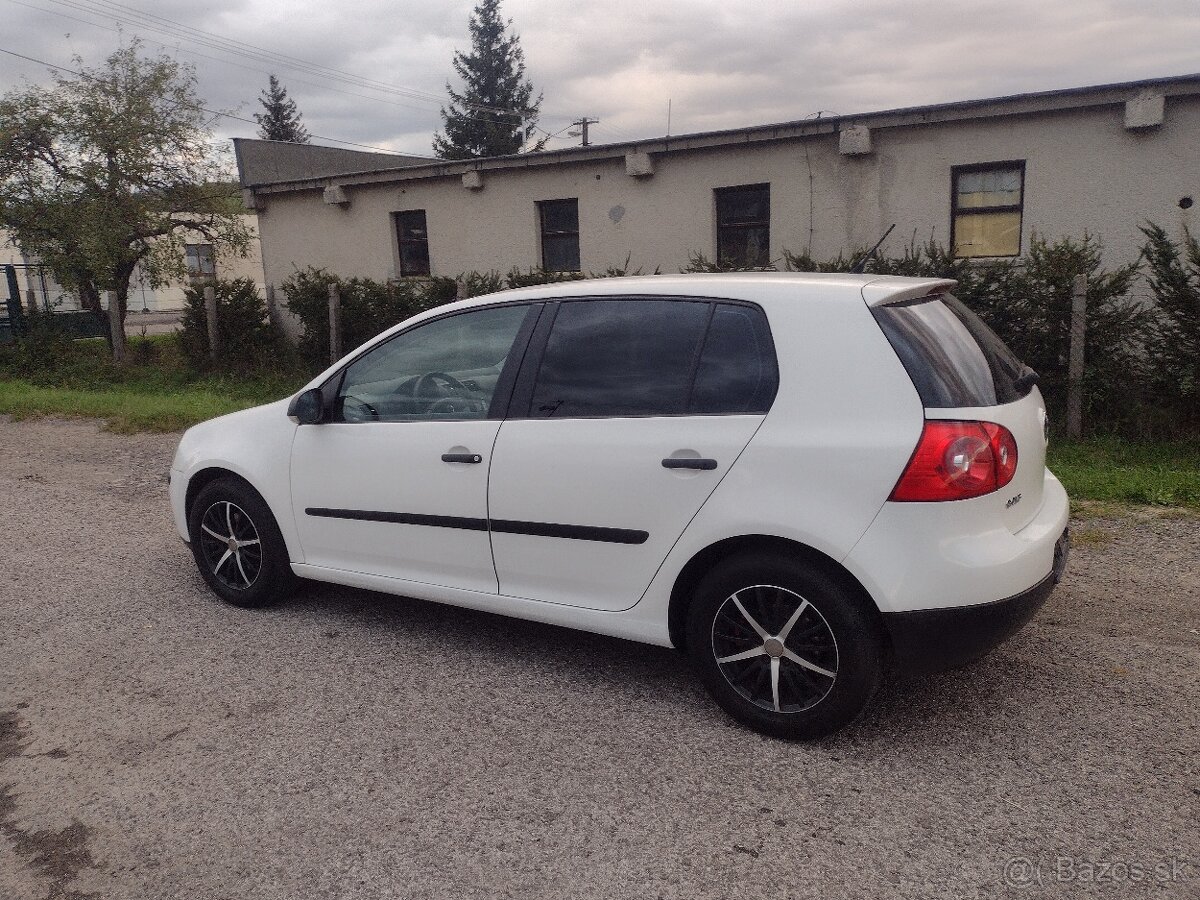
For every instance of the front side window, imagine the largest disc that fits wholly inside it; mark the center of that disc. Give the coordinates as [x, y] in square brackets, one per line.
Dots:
[444, 369]
[624, 358]
[201, 262]
[560, 234]
[988, 201]
[744, 225]
[413, 238]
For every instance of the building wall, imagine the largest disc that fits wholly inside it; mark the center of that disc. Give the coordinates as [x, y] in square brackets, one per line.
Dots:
[1084, 172]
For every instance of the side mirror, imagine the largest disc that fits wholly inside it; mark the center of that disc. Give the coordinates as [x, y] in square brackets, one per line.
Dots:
[308, 408]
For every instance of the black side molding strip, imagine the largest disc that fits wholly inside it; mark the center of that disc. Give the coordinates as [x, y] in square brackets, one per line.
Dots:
[506, 526]
[366, 515]
[574, 532]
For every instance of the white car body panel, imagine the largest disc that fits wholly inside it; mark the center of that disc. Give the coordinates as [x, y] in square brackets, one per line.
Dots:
[817, 470]
[606, 473]
[398, 467]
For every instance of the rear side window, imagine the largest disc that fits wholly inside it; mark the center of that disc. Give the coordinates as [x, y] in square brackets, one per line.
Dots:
[655, 358]
[952, 356]
[737, 372]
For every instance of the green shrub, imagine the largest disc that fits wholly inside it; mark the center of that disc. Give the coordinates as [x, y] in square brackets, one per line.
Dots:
[247, 340]
[1173, 345]
[367, 307]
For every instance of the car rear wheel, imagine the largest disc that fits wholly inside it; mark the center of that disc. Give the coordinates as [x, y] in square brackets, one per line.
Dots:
[784, 648]
[237, 545]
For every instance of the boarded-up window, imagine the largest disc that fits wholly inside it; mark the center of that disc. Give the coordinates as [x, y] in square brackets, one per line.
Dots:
[987, 204]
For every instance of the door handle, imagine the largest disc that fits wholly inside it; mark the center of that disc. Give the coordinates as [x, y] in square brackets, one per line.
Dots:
[462, 458]
[683, 462]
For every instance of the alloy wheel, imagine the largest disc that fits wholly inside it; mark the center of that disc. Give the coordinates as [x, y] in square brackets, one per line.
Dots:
[775, 648]
[231, 545]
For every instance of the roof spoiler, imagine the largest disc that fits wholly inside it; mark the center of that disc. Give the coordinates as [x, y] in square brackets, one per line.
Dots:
[887, 291]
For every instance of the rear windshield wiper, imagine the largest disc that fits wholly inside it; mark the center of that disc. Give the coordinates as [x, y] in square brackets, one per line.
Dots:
[1026, 380]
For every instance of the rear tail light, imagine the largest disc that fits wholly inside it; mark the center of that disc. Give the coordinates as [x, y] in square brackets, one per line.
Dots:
[958, 460]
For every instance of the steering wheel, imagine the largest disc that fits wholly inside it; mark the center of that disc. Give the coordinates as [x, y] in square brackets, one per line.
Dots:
[429, 383]
[355, 409]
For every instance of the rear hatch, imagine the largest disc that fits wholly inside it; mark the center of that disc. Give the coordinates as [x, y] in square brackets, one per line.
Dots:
[964, 372]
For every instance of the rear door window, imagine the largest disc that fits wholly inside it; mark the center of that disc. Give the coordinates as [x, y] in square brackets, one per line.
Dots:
[953, 357]
[655, 357]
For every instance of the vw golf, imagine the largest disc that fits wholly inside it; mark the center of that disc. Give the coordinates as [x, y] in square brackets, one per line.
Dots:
[803, 482]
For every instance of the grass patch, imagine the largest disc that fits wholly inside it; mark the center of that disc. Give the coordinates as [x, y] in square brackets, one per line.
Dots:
[1114, 471]
[155, 391]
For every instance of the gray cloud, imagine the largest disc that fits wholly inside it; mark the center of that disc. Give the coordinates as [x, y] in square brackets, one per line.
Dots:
[722, 65]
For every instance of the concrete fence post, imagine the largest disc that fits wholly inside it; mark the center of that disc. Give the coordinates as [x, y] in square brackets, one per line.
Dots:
[116, 327]
[335, 324]
[210, 313]
[460, 289]
[272, 310]
[1076, 362]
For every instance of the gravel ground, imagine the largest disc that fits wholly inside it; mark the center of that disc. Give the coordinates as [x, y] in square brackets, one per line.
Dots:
[157, 744]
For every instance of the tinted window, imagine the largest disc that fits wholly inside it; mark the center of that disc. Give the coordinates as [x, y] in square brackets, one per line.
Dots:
[744, 225]
[413, 238]
[737, 372]
[620, 358]
[953, 358]
[445, 369]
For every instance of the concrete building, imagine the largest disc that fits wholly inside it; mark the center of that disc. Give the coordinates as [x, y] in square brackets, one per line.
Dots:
[980, 176]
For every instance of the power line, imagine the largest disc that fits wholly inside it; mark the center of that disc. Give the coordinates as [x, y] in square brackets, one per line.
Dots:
[211, 112]
[172, 28]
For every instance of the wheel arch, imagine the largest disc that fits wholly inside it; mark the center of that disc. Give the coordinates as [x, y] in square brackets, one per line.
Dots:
[206, 476]
[714, 554]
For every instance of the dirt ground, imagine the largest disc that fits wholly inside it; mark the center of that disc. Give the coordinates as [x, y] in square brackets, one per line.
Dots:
[155, 743]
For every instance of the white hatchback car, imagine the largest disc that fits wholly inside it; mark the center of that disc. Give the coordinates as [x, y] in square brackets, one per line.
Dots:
[801, 481]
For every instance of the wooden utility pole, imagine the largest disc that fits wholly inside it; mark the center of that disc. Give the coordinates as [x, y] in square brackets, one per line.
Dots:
[116, 327]
[210, 313]
[335, 324]
[1076, 362]
[582, 125]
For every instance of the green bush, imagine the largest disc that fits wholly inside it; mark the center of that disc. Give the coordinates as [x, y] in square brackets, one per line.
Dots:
[367, 307]
[247, 340]
[1173, 345]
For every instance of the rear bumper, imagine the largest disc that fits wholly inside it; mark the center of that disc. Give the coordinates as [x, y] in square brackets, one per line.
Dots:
[931, 640]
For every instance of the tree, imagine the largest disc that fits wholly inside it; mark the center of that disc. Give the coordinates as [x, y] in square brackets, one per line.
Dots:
[281, 121]
[1173, 348]
[107, 172]
[496, 113]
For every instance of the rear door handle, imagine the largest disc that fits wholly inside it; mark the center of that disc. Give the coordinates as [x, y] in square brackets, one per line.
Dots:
[678, 462]
[471, 458]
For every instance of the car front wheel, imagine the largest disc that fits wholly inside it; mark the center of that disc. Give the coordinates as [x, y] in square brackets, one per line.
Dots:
[783, 647]
[237, 544]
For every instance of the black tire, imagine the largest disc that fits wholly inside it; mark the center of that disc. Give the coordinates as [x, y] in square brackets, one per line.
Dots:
[784, 689]
[256, 573]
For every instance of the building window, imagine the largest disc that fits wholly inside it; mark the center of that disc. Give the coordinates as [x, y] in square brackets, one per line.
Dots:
[987, 204]
[201, 263]
[560, 234]
[413, 237]
[744, 225]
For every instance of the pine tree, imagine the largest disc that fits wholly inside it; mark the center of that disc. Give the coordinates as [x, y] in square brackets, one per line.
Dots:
[281, 121]
[496, 113]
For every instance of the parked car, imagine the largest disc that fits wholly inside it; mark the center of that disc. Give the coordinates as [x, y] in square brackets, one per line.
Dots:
[803, 482]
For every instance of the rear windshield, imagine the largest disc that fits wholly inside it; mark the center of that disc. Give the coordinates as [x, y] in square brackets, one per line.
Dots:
[953, 358]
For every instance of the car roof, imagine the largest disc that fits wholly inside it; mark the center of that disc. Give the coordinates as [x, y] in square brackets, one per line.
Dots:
[764, 287]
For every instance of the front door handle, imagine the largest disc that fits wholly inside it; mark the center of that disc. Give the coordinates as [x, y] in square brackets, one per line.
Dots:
[683, 462]
[471, 458]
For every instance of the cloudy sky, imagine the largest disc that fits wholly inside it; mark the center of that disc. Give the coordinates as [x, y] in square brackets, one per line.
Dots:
[373, 71]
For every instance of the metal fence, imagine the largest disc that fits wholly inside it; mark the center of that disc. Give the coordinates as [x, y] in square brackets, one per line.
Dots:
[29, 288]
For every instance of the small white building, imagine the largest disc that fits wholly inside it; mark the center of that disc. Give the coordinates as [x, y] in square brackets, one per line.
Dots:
[199, 256]
[980, 176]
